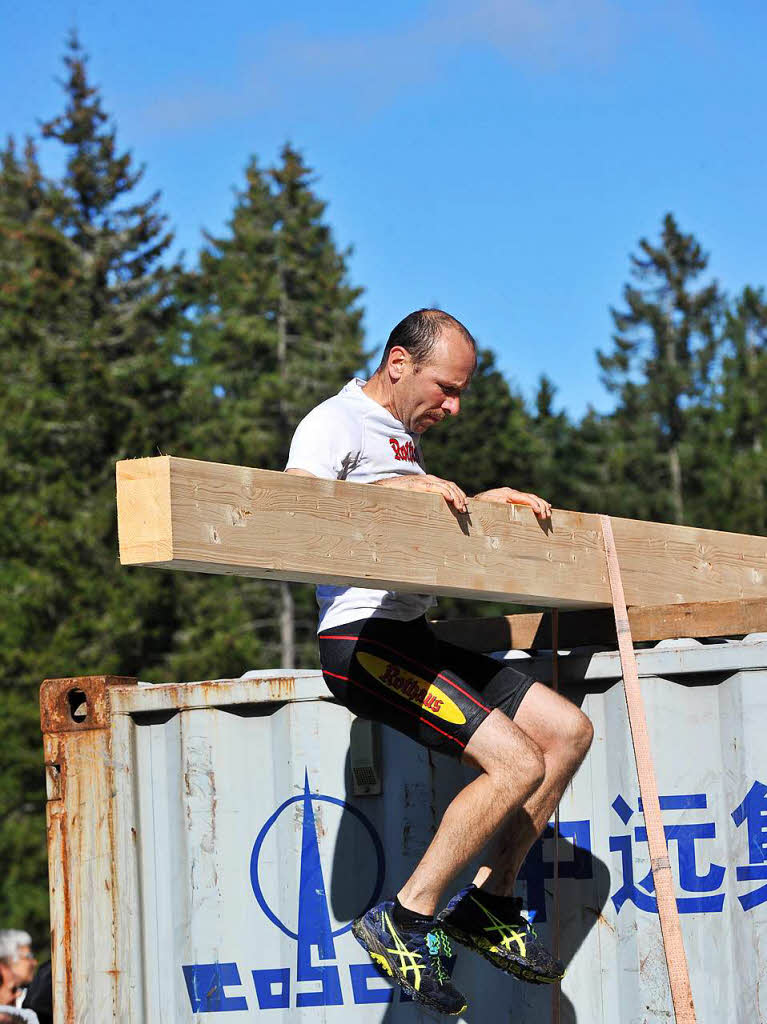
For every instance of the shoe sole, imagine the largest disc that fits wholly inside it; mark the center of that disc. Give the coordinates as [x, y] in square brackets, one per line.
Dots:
[507, 964]
[383, 964]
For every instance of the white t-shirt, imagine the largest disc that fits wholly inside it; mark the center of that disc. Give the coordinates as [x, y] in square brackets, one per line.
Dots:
[17, 1013]
[351, 437]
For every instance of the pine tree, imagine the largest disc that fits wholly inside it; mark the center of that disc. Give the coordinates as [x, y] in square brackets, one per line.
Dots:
[87, 321]
[569, 458]
[664, 346]
[277, 332]
[34, 267]
[733, 428]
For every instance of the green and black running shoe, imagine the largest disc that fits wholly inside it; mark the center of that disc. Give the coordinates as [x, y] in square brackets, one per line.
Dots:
[503, 936]
[414, 957]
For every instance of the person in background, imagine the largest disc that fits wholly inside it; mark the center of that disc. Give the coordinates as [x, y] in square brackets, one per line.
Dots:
[12, 1015]
[39, 995]
[16, 952]
[9, 991]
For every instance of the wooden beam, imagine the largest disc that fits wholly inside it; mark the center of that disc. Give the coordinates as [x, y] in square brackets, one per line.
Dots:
[532, 630]
[208, 517]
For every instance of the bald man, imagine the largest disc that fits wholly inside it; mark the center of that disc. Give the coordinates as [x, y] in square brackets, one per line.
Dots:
[381, 659]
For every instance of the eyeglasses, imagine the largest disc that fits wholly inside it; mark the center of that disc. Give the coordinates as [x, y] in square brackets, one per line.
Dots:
[26, 956]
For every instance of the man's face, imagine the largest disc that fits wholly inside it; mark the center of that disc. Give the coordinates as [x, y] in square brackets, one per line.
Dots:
[432, 391]
[24, 965]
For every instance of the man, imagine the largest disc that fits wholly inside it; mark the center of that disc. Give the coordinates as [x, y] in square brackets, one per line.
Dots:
[10, 987]
[39, 997]
[16, 953]
[381, 659]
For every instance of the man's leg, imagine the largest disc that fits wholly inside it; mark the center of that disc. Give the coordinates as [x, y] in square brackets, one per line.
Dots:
[563, 733]
[487, 918]
[512, 772]
[404, 941]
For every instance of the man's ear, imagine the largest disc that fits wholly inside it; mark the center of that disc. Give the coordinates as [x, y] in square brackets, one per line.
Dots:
[399, 359]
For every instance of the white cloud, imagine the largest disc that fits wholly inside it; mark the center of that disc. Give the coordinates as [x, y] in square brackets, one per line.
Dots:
[294, 68]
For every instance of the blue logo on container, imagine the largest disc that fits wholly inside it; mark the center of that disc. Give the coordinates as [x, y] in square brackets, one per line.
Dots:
[316, 954]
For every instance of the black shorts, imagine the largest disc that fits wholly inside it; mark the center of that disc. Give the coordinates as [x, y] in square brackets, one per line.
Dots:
[402, 674]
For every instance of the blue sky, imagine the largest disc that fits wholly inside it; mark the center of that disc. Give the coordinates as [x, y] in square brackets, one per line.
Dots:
[500, 158]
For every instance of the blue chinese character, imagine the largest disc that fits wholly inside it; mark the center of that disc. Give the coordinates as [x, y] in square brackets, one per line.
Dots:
[753, 811]
[684, 836]
[535, 869]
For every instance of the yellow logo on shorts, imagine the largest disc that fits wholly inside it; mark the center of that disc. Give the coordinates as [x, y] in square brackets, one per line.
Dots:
[416, 690]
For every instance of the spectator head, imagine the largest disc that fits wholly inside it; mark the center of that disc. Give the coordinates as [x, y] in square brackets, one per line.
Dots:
[16, 953]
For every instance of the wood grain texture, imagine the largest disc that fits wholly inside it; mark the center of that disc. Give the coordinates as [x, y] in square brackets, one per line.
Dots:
[532, 630]
[251, 522]
[144, 511]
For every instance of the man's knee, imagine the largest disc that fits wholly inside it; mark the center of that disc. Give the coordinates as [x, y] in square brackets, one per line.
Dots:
[509, 756]
[577, 734]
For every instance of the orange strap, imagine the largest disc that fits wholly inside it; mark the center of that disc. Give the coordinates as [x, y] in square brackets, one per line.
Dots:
[556, 990]
[676, 961]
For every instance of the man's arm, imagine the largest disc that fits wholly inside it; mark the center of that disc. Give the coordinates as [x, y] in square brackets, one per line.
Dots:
[453, 494]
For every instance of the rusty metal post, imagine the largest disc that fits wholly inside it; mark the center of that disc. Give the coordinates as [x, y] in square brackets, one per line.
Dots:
[89, 976]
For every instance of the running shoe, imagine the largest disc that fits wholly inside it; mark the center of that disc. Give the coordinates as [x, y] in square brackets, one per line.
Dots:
[414, 957]
[505, 938]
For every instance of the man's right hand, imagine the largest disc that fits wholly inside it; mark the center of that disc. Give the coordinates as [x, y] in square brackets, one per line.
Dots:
[451, 492]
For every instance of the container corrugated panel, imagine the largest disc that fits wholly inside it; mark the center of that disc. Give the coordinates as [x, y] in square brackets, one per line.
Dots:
[208, 851]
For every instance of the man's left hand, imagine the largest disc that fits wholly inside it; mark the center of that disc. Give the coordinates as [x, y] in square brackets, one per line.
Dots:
[508, 496]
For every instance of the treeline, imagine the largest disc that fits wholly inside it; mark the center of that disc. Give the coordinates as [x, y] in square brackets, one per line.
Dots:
[110, 350]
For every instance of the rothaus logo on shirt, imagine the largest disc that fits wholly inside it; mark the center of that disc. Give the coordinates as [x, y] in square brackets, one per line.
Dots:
[404, 452]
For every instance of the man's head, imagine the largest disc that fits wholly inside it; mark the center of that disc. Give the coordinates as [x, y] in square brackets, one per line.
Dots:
[427, 362]
[16, 953]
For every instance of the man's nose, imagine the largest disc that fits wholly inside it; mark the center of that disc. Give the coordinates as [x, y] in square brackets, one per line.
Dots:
[452, 405]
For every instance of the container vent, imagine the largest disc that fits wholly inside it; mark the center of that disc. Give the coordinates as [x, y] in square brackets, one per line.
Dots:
[364, 755]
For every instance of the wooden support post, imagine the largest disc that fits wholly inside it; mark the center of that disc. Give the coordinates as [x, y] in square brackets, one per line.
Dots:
[527, 631]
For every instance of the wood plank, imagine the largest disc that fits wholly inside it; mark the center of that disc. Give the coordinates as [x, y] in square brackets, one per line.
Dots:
[208, 517]
[532, 630]
[143, 501]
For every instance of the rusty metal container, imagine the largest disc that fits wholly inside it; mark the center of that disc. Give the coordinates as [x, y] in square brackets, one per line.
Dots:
[210, 842]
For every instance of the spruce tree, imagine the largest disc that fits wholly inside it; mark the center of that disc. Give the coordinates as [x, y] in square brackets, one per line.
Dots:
[277, 331]
[569, 464]
[87, 321]
[733, 428]
[664, 346]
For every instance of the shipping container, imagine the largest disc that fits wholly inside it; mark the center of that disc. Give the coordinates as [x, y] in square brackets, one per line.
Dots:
[210, 842]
